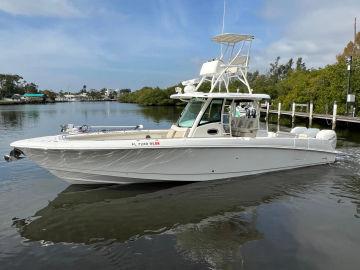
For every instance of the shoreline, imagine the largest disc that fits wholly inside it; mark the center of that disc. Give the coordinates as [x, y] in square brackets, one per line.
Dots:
[8, 102]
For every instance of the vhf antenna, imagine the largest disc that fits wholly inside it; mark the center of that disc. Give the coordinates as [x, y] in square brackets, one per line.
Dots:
[223, 19]
[222, 28]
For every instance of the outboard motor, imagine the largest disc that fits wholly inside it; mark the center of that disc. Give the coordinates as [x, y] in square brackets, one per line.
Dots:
[14, 154]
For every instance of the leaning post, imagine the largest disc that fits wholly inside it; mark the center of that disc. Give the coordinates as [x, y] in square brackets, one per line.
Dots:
[334, 116]
[311, 113]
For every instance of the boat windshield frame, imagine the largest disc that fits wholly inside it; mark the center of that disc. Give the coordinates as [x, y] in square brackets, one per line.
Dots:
[190, 113]
[213, 113]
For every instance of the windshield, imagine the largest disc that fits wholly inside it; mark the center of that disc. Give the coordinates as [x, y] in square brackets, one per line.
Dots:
[189, 114]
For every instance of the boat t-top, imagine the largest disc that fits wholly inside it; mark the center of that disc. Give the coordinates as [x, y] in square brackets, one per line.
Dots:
[217, 135]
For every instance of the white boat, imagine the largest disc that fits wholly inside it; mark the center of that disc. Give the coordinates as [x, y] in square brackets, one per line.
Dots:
[217, 136]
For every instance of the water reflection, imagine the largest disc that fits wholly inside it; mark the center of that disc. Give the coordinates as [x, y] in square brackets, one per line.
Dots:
[15, 118]
[79, 215]
[216, 241]
[20, 116]
[161, 113]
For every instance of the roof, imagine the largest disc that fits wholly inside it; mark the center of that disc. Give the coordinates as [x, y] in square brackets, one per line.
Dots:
[220, 95]
[231, 38]
[33, 95]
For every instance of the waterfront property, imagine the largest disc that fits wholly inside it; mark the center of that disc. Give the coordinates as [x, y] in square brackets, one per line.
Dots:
[24, 99]
[34, 97]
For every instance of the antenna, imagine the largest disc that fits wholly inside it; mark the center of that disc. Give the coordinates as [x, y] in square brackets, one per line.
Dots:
[222, 28]
[223, 20]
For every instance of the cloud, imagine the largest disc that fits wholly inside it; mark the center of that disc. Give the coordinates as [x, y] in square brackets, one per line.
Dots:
[56, 58]
[46, 8]
[131, 43]
[49, 57]
[114, 44]
[315, 30]
[172, 15]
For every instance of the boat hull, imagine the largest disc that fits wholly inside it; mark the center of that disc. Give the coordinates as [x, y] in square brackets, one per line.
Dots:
[125, 166]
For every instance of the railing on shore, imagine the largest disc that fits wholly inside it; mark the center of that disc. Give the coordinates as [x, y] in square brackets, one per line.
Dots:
[309, 114]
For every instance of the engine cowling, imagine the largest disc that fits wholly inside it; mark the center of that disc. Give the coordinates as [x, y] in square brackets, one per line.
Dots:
[329, 135]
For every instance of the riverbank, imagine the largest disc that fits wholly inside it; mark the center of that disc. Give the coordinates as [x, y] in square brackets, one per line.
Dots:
[24, 102]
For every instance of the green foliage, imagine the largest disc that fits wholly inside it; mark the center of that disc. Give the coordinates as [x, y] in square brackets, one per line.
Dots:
[125, 91]
[279, 72]
[284, 83]
[150, 96]
[10, 85]
[351, 49]
[14, 84]
[50, 94]
[30, 88]
[322, 86]
[95, 95]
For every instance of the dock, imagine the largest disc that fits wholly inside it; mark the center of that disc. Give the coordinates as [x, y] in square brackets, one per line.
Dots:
[309, 114]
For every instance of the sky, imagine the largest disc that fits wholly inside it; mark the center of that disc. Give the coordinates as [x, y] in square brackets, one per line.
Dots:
[64, 44]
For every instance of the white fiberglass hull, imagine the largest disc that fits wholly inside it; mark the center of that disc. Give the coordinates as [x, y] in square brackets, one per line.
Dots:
[191, 159]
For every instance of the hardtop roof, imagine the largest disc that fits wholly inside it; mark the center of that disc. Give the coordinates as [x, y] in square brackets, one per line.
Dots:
[231, 38]
[220, 95]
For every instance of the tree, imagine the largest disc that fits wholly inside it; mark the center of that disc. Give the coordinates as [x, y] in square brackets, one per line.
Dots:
[274, 69]
[351, 49]
[300, 65]
[125, 91]
[93, 94]
[10, 85]
[50, 94]
[103, 91]
[30, 88]
[280, 71]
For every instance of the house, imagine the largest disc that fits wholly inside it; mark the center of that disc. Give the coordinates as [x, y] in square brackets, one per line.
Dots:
[34, 97]
[16, 97]
[71, 97]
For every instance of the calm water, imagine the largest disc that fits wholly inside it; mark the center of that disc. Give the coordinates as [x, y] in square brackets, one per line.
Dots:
[300, 219]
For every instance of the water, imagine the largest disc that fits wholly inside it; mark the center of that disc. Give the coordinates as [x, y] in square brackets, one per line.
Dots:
[300, 219]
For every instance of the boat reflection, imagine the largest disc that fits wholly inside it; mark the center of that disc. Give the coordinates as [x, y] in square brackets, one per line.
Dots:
[121, 213]
[217, 241]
